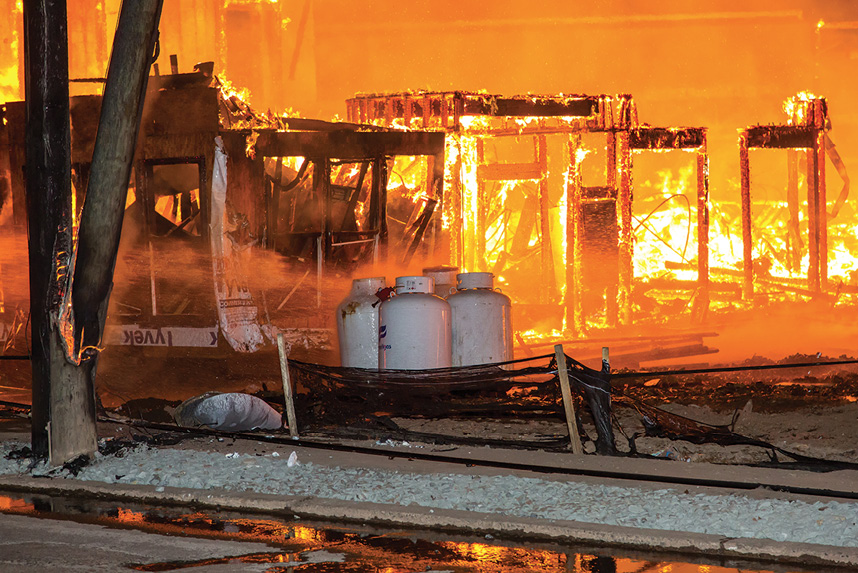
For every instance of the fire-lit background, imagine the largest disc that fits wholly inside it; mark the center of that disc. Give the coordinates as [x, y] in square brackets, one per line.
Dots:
[722, 65]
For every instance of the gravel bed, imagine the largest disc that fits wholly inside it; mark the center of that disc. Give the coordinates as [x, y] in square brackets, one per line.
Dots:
[826, 523]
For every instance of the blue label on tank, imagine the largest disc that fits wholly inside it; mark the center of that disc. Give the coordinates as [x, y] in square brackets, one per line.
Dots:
[382, 331]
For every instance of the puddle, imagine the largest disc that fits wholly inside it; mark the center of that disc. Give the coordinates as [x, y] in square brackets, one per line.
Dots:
[298, 546]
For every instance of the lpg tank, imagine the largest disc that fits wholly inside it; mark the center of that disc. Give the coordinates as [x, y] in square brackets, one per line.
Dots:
[357, 324]
[445, 279]
[482, 321]
[414, 327]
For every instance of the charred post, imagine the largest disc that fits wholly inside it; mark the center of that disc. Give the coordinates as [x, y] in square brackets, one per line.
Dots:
[813, 212]
[624, 216]
[574, 308]
[48, 184]
[794, 230]
[457, 239]
[435, 169]
[822, 216]
[544, 219]
[702, 300]
[479, 262]
[747, 246]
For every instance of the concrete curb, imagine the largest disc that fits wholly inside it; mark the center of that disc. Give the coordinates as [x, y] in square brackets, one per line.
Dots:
[449, 521]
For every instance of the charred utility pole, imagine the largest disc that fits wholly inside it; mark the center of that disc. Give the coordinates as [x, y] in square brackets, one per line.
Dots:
[70, 324]
[48, 175]
[115, 142]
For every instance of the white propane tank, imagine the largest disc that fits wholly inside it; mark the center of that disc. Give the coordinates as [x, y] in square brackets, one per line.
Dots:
[482, 321]
[414, 327]
[357, 324]
[445, 279]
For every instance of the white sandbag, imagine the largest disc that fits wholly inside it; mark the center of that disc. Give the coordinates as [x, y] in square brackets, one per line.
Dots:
[233, 412]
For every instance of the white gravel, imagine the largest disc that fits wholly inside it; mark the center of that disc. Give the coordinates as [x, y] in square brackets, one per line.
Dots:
[732, 516]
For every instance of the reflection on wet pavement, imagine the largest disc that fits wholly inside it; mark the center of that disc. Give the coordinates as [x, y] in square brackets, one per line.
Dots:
[302, 547]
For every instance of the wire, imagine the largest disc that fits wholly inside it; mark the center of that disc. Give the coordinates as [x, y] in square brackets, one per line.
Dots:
[688, 227]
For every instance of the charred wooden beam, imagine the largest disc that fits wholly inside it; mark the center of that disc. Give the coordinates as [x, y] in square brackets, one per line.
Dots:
[457, 104]
[667, 137]
[348, 144]
[781, 136]
[535, 107]
[611, 159]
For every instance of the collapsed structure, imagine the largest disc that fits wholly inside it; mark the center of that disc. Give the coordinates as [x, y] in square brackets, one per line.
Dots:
[594, 222]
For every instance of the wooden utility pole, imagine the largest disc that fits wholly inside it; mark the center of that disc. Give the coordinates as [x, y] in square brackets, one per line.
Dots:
[67, 327]
[104, 204]
[48, 183]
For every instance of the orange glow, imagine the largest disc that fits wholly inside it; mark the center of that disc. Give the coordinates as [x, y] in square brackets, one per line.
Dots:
[127, 516]
[15, 505]
[304, 533]
[10, 90]
[666, 227]
[480, 551]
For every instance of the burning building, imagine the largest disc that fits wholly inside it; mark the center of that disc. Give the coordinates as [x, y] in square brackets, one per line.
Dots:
[563, 197]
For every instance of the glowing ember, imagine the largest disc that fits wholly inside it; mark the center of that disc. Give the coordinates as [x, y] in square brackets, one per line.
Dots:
[797, 108]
